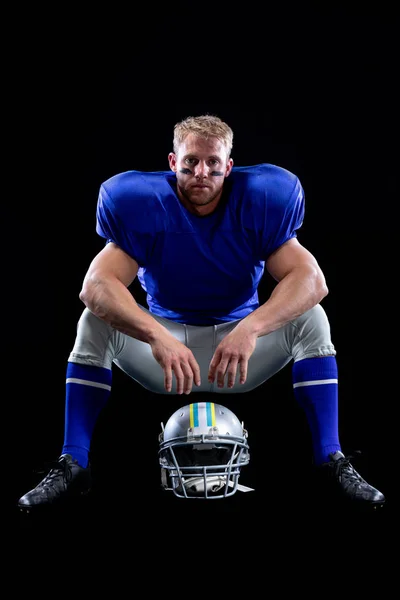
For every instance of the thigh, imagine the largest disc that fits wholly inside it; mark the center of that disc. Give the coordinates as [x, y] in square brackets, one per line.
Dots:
[136, 359]
[271, 354]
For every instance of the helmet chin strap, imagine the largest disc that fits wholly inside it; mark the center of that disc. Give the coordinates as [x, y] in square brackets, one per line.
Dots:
[242, 488]
[213, 484]
[196, 484]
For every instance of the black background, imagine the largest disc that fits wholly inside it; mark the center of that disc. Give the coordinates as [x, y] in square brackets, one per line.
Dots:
[309, 88]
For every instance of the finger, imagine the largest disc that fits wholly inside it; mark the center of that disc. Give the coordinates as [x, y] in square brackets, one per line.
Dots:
[231, 373]
[188, 378]
[221, 370]
[179, 377]
[196, 370]
[243, 370]
[213, 365]
[168, 378]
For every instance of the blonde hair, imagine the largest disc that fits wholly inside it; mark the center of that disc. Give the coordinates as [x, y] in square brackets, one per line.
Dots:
[204, 126]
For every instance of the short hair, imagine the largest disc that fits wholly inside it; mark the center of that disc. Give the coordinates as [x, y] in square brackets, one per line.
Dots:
[204, 126]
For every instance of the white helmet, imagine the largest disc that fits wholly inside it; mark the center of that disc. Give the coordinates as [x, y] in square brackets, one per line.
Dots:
[203, 447]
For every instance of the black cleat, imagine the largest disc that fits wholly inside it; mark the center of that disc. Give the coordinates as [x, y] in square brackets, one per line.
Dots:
[349, 484]
[65, 479]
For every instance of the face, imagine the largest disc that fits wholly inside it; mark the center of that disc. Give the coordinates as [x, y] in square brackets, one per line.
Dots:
[201, 167]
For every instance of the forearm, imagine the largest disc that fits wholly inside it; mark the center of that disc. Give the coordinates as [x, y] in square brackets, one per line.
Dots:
[112, 302]
[296, 293]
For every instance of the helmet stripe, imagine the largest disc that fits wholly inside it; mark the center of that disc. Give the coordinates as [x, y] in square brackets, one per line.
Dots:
[210, 414]
[194, 415]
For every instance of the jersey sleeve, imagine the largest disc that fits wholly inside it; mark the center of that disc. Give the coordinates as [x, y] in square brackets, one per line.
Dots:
[283, 215]
[111, 226]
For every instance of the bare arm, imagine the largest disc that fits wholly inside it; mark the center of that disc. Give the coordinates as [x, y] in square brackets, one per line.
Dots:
[301, 285]
[105, 293]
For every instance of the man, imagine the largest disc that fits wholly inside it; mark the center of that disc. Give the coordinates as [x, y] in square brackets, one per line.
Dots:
[199, 237]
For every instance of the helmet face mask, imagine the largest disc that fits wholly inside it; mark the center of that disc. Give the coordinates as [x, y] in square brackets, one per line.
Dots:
[202, 450]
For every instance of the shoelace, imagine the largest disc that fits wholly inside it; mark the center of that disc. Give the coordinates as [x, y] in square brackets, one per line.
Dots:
[56, 468]
[345, 470]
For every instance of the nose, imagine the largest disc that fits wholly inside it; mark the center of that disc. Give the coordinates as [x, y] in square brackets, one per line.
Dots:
[201, 169]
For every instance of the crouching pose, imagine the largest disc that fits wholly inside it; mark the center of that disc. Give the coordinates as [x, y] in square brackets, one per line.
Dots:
[199, 237]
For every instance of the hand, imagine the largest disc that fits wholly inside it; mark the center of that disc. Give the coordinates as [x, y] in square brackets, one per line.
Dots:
[235, 349]
[175, 357]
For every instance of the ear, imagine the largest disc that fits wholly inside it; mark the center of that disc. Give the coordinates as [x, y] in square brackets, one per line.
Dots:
[172, 162]
[229, 166]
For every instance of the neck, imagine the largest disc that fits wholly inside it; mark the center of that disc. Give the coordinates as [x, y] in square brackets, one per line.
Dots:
[200, 210]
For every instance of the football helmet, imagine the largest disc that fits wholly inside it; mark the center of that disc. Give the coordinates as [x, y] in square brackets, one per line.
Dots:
[202, 449]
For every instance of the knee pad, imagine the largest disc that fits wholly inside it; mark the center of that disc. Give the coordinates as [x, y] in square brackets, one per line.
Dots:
[94, 342]
[312, 334]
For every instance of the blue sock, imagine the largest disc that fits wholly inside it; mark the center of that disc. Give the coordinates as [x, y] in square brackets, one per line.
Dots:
[315, 383]
[87, 391]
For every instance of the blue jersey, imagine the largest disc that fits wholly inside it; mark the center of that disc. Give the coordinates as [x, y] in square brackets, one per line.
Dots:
[201, 270]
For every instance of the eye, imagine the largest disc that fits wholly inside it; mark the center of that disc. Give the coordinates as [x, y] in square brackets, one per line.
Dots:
[190, 161]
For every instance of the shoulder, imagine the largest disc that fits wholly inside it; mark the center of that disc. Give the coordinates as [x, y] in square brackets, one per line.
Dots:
[136, 197]
[264, 179]
[266, 189]
[135, 186]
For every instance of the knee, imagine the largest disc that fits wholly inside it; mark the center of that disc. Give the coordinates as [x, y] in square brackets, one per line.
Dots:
[94, 337]
[89, 324]
[315, 318]
[313, 334]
